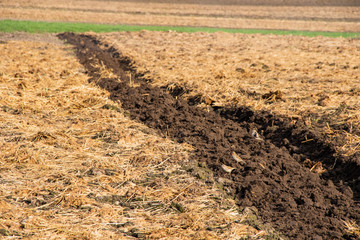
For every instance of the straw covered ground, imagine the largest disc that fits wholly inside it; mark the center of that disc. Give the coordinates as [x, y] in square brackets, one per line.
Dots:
[313, 18]
[315, 80]
[74, 166]
[288, 171]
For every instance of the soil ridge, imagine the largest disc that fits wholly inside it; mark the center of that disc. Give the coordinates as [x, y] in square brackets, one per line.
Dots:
[299, 203]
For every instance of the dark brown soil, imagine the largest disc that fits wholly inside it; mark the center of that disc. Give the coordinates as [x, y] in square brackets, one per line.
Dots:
[297, 202]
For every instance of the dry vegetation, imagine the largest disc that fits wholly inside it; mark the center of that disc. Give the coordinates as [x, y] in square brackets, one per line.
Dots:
[314, 79]
[115, 12]
[192, 9]
[74, 166]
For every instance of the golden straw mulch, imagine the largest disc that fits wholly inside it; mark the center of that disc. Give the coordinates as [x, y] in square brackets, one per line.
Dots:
[74, 166]
[314, 79]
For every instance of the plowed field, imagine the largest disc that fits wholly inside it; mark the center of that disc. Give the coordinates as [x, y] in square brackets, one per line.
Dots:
[255, 16]
[73, 165]
[166, 135]
[291, 172]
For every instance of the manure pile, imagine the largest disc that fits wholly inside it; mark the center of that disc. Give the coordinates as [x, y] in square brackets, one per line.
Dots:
[257, 167]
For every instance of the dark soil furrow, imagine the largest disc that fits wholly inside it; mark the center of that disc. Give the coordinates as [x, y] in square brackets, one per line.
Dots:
[299, 203]
[306, 145]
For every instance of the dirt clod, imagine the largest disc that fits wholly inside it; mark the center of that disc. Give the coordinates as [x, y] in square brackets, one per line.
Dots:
[273, 96]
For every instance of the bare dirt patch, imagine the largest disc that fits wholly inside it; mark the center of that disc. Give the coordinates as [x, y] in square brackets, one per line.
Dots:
[300, 202]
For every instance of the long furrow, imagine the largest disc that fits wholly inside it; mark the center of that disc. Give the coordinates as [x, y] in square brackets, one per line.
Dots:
[299, 203]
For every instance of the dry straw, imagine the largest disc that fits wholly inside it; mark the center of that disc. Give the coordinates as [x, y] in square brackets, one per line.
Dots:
[73, 166]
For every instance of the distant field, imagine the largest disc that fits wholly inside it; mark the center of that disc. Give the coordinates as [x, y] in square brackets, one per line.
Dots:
[260, 2]
[326, 18]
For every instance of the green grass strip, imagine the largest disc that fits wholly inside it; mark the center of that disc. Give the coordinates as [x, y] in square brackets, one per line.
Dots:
[57, 27]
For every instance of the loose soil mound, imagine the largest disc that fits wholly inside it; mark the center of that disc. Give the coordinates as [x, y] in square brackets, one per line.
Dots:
[300, 203]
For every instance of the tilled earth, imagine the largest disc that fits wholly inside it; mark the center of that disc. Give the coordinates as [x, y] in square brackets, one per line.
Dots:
[256, 155]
